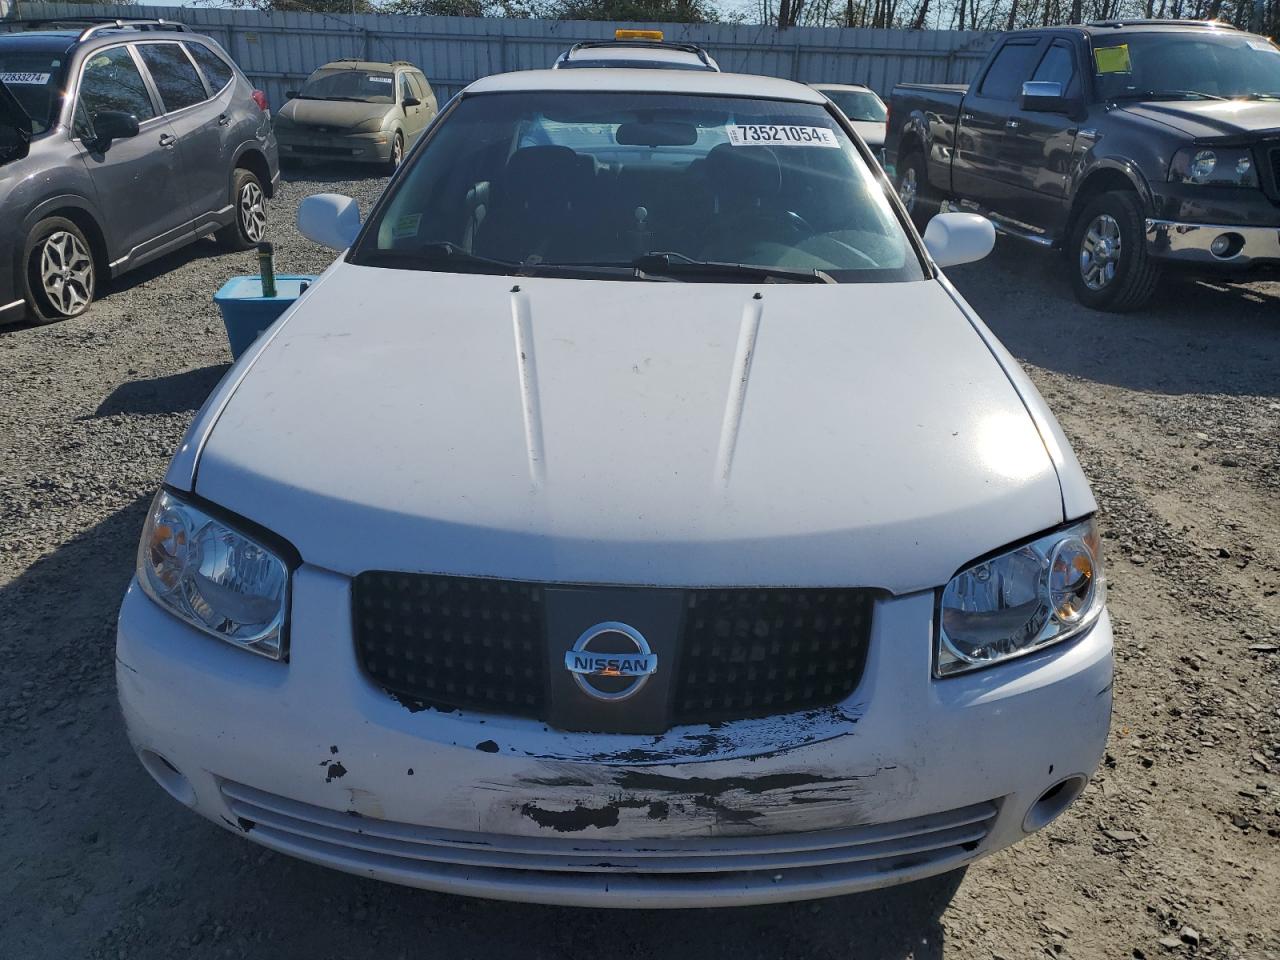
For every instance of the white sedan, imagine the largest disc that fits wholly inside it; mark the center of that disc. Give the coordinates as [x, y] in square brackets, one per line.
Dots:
[632, 516]
[863, 108]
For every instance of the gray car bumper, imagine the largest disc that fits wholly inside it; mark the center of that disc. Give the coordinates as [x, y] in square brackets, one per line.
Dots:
[1212, 244]
[361, 148]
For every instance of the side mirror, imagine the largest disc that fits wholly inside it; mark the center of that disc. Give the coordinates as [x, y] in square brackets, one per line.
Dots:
[1044, 96]
[329, 219]
[111, 125]
[411, 101]
[291, 94]
[956, 238]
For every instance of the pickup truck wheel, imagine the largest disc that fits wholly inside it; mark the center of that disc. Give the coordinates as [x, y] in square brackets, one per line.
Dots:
[914, 190]
[1111, 269]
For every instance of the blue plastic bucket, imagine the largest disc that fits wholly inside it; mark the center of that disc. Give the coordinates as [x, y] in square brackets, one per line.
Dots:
[246, 312]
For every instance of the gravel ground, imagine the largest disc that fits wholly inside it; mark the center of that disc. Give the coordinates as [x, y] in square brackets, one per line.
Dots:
[1174, 850]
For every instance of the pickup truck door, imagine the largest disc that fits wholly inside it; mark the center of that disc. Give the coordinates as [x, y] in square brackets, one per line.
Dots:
[1039, 148]
[979, 170]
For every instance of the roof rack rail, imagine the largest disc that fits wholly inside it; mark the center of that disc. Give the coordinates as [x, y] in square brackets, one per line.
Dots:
[643, 45]
[91, 25]
[1220, 24]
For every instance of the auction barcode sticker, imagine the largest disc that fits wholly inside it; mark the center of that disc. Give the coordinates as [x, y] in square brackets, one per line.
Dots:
[780, 135]
[37, 79]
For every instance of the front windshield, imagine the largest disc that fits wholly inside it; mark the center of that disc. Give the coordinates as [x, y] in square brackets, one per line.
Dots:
[859, 105]
[35, 79]
[361, 86]
[1188, 64]
[641, 186]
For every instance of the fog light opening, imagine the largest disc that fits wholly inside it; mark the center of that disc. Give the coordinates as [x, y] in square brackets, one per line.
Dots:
[1053, 801]
[169, 778]
[1226, 245]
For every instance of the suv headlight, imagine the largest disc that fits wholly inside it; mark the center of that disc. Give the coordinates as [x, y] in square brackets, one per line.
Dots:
[1021, 600]
[213, 576]
[1220, 167]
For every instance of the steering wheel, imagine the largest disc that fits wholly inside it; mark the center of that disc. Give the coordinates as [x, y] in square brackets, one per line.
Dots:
[739, 225]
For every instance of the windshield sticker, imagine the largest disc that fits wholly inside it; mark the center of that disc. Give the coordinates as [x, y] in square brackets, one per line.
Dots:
[406, 226]
[31, 79]
[1262, 46]
[1113, 59]
[780, 135]
[378, 79]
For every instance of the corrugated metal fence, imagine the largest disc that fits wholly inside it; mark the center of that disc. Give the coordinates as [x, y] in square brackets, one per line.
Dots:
[278, 50]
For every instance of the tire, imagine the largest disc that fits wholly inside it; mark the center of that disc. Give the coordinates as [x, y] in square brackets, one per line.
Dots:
[1107, 256]
[250, 202]
[397, 154]
[59, 277]
[914, 190]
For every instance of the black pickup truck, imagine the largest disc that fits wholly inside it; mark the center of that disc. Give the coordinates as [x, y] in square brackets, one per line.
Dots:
[1131, 146]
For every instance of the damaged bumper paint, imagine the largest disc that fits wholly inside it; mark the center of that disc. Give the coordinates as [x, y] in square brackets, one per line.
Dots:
[907, 778]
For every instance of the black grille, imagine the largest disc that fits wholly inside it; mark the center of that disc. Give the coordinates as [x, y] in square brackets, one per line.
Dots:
[454, 641]
[757, 652]
[475, 643]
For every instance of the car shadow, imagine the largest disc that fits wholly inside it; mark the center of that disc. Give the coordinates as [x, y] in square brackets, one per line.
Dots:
[206, 248]
[111, 860]
[173, 393]
[1199, 335]
[331, 171]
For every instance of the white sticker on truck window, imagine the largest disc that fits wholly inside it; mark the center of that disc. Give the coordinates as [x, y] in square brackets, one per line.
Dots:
[32, 79]
[378, 79]
[780, 135]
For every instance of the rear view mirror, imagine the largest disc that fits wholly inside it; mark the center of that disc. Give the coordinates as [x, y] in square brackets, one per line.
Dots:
[111, 125]
[330, 220]
[291, 94]
[1044, 96]
[411, 101]
[658, 133]
[956, 238]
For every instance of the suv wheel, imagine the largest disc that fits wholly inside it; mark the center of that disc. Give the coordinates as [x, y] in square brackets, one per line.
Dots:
[1110, 267]
[59, 279]
[250, 202]
[397, 154]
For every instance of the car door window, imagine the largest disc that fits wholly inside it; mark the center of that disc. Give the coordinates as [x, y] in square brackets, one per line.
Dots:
[406, 91]
[175, 76]
[1058, 66]
[111, 81]
[1011, 66]
[215, 69]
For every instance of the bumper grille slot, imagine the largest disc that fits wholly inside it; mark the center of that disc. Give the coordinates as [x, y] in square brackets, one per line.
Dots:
[480, 644]
[780, 865]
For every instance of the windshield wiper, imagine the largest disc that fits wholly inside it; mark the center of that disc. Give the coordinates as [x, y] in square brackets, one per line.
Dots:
[669, 263]
[1259, 96]
[444, 255]
[1167, 95]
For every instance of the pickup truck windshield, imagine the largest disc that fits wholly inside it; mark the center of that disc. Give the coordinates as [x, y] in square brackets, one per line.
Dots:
[34, 78]
[362, 86]
[656, 186]
[1186, 65]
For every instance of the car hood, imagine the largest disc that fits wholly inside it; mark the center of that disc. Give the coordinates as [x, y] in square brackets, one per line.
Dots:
[339, 114]
[1209, 119]
[628, 432]
[871, 131]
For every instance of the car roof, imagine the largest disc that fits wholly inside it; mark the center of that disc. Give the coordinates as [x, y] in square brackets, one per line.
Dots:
[366, 65]
[859, 87]
[653, 52]
[44, 41]
[1112, 27]
[620, 79]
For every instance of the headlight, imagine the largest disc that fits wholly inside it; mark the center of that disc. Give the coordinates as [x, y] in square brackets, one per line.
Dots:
[1221, 167]
[368, 126]
[214, 577]
[1021, 600]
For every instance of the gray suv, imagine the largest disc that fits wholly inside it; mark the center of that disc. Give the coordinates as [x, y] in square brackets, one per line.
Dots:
[120, 141]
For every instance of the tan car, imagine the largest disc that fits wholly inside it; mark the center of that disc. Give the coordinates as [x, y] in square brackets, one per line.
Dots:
[356, 110]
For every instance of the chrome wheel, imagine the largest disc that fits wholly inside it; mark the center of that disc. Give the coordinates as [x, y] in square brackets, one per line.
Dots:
[909, 189]
[253, 211]
[397, 153]
[1100, 251]
[66, 273]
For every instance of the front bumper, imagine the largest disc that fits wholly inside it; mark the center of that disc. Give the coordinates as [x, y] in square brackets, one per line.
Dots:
[909, 778]
[1239, 246]
[361, 147]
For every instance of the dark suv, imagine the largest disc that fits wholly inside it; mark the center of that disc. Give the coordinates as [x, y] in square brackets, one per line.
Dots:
[122, 140]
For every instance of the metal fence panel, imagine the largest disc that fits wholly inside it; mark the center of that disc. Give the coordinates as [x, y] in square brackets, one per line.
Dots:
[278, 50]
